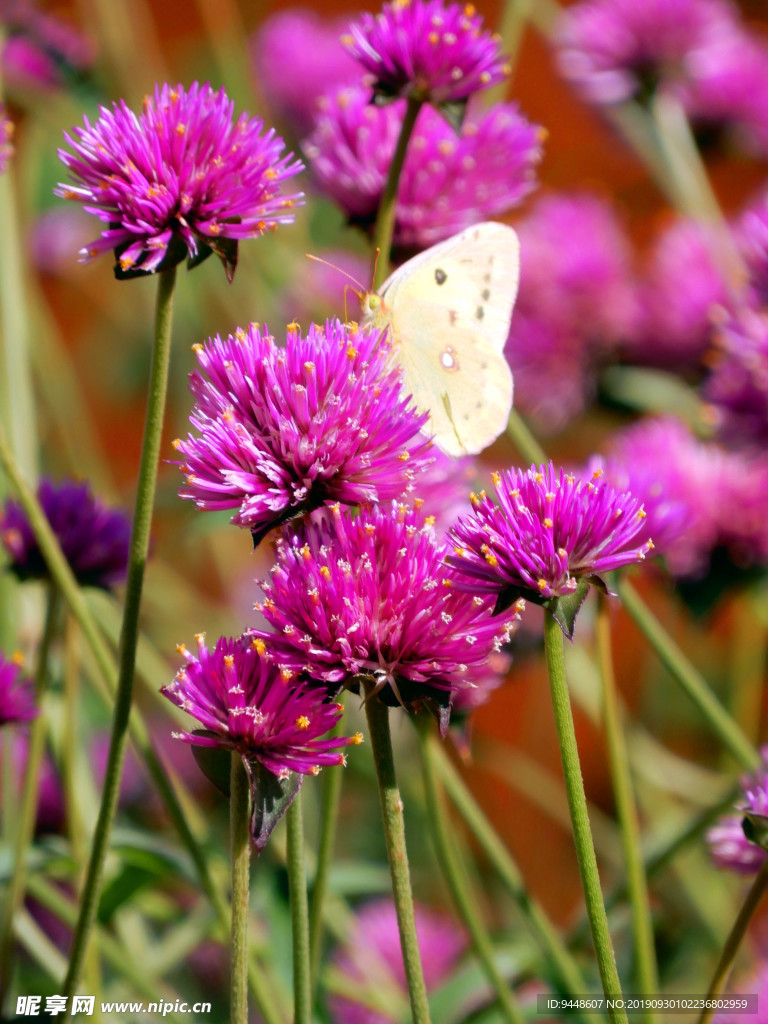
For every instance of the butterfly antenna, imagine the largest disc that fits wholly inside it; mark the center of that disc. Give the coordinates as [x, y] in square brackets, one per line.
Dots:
[327, 263]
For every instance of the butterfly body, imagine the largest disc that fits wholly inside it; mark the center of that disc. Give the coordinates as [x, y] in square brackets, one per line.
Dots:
[448, 310]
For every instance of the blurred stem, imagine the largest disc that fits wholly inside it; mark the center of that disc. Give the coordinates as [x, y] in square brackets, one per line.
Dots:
[65, 581]
[25, 825]
[563, 964]
[377, 715]
[678, 665]
[129, 634]
[297, 885]
[329, 818]
[646, 970]
[385, 219]
[749, 646]
[522, 438]
[732, 943]
[455, 875]
[513, 21]
[577, 802]
[240, 848]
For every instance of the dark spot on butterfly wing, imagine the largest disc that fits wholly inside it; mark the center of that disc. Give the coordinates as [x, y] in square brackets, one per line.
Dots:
[485, 294]
[440, 275]
[479, 313]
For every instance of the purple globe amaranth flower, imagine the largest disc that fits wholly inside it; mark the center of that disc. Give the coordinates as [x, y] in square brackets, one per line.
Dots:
[728, 843]
[94, 538]
[737, 387]
[371, 961]
[41, 51]
[697, 495]
[679, 298]
[575, 304]
[325, 64]
[6, 135]
[286, 430]
[547, 531]
[616, 50]
[448, 182]
[246, 704]
[17, 698]
[371, 597]
[751, 234]
[442, 488]
[427, 50]
[181, 179]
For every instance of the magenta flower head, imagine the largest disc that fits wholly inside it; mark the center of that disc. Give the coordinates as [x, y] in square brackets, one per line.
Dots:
[6, 135]
[325, 64]
[448, 182]
[547, 532]
[94, 538]
[738, 842]
[680, 296]
[616, 50]
[372, 956]
[371, 597]
[245, 704]
[737, 387]
[41, 51]
[17, 698]
[181, 179]
[284, 430]
[427, 50]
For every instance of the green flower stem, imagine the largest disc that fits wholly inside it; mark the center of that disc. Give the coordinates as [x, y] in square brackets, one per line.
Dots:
[297, 884]
[684, 673]
[511, 28]
[240, 849]
[385, 219]
[737, 933]
[377, 715]
[63, 577]
[521, 437]
[545, 933]
[25, 826]
[647, 975]
[129, 634]
[329, 817]
[577, 802]
[455, 875]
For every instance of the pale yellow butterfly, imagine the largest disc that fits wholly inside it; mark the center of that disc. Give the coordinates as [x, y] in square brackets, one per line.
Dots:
[448, 310]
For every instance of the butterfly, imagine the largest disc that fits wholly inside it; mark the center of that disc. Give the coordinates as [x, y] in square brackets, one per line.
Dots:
[448, 311]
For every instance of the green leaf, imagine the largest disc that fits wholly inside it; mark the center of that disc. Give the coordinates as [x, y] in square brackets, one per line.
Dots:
[453, 111]
[270, 799]
[756, 829]
[214, 762]
[565, 609]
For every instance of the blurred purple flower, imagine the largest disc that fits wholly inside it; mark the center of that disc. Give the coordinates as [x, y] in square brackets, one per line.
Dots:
[548, 530]
[575, 303]
[180, 179]
[245, 704]
[17, 697]
[737, 386]
[285, 430]
[371, 961]
[442, 489]
[426, 50]
[6, 135]
[697, 496]
[94, 539]
[371, 596]
[755, 982]
[728, 845]
[40, 51]
[50, 804]
[448, 182]
[325, 64]
[616, 50]
[726, 87]
[679, 298]
[751, 233]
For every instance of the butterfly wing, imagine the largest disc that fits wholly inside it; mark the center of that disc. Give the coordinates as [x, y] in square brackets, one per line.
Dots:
[475, 273]
[452, 369]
